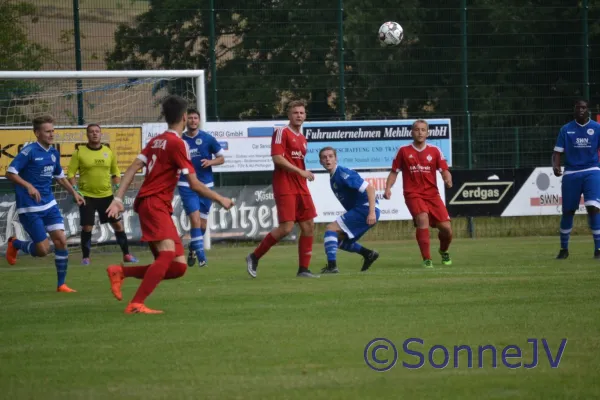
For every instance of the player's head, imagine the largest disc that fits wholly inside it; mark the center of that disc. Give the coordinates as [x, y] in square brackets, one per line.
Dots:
[328, 158]
[581, 111]
[193, 120]
[94, 134]
[43, 127]
[174, 110]
[296, 111]
[420, 131]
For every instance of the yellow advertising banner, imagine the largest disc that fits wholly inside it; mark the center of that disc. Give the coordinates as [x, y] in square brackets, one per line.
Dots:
[125, 142]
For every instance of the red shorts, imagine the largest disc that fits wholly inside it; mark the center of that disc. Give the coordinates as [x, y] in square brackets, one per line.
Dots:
[295, 207]
[156, 222]
[434, 207]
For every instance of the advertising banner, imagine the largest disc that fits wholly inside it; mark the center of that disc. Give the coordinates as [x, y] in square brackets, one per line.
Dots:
[329, 208]
[125, 141]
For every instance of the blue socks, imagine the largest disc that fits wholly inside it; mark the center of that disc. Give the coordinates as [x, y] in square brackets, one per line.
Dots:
[331, 244]
[197, 243]
[566, 226]
[25, 247]
[61, 260]
[594, 221]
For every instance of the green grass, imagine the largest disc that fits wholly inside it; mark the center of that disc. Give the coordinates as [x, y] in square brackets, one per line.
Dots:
[225, 336]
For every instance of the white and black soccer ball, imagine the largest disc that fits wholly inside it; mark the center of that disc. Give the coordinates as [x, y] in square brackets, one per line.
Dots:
[390, 34]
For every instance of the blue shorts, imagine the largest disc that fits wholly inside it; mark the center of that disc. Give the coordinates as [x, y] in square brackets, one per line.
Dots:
[193, 202]
[36, 224]
[576, 184]
[354, 222]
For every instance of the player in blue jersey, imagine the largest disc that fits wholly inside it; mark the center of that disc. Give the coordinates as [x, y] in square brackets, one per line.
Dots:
[32, 171]
[362, 213]
[579, 140]
[202, 147]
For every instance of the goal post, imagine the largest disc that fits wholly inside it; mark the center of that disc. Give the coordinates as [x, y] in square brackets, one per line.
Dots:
[126, 104]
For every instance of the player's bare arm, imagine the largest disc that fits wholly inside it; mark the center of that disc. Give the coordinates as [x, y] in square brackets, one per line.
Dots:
[371, 217]
[389, 183]
[556, 163]
[447, 177]
[281, 162]
[204, 191]
[64, 182]
[31, 190]
[218, 160]
[116, 206]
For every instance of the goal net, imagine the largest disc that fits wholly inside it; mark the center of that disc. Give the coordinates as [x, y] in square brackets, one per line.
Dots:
[126, 105]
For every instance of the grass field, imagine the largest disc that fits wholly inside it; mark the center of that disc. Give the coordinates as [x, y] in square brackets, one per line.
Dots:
[225, 336]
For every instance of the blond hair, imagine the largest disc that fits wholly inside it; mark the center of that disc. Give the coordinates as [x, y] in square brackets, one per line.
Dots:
[420, 121]
[295, 103]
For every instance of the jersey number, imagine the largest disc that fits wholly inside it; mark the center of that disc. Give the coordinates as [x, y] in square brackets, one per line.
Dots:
[151, 163]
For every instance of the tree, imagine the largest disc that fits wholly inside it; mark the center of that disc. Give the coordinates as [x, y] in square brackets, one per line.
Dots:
[16, 53]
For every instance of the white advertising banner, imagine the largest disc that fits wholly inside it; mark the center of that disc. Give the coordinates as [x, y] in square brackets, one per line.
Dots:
[246, 145]
[329, 208]
[539, 195]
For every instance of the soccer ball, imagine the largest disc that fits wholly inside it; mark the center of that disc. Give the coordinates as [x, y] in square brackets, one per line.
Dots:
[390, 34]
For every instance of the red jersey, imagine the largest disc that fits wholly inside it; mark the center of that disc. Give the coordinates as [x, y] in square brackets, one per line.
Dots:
[166, 156]
[419, 167]
[292, 146]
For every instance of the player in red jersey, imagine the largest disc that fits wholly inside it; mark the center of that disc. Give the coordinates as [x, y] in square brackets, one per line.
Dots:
[292, 197]
[165, 156]
[419, 162]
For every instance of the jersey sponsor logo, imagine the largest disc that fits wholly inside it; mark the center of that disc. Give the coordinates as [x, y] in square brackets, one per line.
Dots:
[582, 142]
[420, 168]
[47, 171]
[160, 144]
[481, 193]
[297, 154]
[99, 161]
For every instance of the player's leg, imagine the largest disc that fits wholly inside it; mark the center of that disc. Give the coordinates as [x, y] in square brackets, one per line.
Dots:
[191, 205]
[87, 215]
[286, 215]
[354, 225]
[591, 198]
[331, 243]
[305, 215]
[118, 228]
[38, 246]
[439, 218]
[204, 212]
[55, 226]
[571, 189]
[420, 213]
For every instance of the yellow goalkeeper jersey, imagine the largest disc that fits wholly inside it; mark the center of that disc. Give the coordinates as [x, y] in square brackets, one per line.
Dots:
[96, 167]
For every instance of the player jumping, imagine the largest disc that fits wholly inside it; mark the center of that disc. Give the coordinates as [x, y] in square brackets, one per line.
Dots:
[165, 156]
[579, 140]
[362, 212]
[419, 162]
[202, 148]
[292, 197]
[32, 171]
[97, 166]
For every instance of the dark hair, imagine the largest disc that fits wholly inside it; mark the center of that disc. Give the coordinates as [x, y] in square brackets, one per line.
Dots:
[192, 110]
[87, 129]
[173, 108]
[581, 100]
[39, 121]
[327, 148]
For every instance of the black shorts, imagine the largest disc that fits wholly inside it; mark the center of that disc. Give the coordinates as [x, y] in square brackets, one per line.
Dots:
[87, 213]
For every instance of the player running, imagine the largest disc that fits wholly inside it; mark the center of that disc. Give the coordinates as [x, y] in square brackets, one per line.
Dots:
[362, 213]
[292, 197]
[97, 166]
[419, 162]
[202, 147]
[32, 171]
[579, 140]
[165, 157]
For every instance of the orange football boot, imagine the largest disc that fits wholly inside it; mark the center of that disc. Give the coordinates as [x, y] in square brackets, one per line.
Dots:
[139, 308]
[11, 251]
[65, 289]
[116, 277]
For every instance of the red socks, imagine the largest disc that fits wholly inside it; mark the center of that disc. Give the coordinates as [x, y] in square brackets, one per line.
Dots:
[305, 244]
[423, 240]
[445, 241]
[264, 246]
[154, 274]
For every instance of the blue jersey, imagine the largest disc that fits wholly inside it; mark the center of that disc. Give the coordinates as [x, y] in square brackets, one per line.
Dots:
[202, 147]
[37, 166]
[349, 188]
[580, 144]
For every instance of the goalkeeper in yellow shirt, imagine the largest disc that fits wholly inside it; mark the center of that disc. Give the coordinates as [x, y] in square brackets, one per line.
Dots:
[97, 168]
